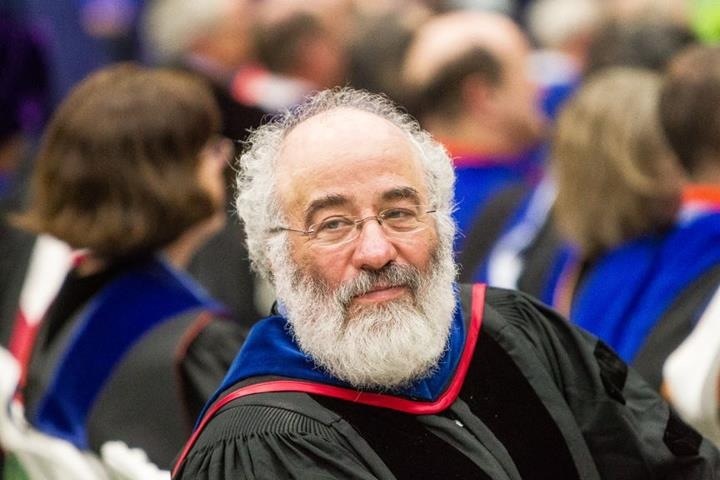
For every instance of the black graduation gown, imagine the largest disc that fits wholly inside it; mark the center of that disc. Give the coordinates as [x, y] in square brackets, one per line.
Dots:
[541, 400]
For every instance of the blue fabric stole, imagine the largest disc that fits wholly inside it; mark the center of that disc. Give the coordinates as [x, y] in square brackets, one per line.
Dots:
[271, 351]
[627, 291]
[479, 178]
[127, 308]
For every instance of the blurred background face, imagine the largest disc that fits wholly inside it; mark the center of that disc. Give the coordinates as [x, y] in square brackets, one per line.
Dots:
[518, 100]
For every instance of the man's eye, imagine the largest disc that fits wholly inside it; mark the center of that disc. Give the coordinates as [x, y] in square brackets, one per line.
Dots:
[398, 214]
[334, 223]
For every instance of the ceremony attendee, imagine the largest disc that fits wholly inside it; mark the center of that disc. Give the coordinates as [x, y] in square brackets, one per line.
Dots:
[619, 196]
[659, 285]
[690, 112]
[376, 364]
[377, 48]
[469, 74]
[520, 258]
[130, 174]
[303, 45]
[212, 40]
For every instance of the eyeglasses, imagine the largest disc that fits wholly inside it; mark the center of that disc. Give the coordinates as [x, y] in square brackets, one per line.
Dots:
[336, 230]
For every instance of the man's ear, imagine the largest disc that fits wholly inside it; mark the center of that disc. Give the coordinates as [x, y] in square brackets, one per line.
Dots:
[477, 94]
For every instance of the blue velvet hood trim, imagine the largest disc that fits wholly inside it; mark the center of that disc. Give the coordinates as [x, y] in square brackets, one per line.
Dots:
[271, 350]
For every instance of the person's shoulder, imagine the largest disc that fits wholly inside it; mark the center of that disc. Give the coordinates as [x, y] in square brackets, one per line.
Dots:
[524, 314]
[268, 419]
[277, 435]
[278, 411]
[514, 305]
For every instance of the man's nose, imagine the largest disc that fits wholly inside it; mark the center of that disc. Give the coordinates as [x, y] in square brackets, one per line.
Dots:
[373, 249]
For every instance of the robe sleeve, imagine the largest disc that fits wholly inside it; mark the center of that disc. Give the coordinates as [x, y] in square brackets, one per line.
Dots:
[630, 431]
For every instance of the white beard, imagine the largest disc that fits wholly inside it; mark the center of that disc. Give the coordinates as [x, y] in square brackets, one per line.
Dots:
[383, 346]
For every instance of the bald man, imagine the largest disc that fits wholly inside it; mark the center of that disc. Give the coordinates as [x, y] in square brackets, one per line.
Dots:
[468, 72]
[376, 365]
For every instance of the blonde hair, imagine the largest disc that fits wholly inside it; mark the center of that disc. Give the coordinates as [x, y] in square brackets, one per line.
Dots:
[617, 178]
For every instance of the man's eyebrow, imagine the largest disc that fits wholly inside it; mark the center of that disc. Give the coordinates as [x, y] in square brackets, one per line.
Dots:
[402, 193]
[330, 200]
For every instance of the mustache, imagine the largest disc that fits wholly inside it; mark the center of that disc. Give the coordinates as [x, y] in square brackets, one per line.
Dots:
[391, 275]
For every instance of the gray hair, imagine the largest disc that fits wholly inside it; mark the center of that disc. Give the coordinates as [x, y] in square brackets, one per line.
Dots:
[257, 200]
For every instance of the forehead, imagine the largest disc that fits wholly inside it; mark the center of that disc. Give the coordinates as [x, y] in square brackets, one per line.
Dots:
[346, 153]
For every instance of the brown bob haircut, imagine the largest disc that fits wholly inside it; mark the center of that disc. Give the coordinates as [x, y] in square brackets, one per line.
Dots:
[117, 171]
[616, 176]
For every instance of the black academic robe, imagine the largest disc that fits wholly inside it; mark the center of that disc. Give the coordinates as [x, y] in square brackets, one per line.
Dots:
[132, 354]
[541, 399]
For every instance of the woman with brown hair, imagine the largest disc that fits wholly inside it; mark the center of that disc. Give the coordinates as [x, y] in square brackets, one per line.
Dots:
[130, 173]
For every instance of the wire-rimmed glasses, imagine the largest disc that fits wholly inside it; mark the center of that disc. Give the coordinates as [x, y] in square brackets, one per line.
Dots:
[336, 230]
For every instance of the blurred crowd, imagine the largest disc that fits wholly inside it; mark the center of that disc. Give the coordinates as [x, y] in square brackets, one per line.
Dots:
[584, 134]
